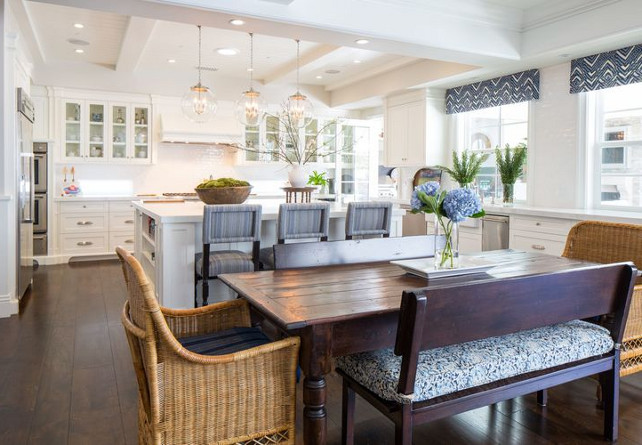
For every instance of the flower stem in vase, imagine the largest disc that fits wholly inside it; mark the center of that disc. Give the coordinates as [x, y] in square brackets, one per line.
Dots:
[448, 256]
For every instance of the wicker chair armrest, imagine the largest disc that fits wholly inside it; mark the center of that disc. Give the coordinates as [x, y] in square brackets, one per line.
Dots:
[633, 328]
[211, 318]
[255, 389]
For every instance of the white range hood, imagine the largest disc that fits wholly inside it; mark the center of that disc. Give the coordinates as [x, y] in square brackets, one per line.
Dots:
[221, 129]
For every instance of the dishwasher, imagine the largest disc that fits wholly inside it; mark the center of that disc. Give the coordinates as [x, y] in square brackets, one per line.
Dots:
[494, 232]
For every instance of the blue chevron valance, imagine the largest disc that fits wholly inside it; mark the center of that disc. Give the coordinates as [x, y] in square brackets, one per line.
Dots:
[518, 87]
[606, 70]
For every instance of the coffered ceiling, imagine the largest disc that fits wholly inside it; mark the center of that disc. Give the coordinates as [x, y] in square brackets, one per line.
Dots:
[412, 43]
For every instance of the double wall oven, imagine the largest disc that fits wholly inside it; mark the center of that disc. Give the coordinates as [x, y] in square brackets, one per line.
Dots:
[40, 198]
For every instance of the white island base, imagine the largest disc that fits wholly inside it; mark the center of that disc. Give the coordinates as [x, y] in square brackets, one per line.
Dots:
[169, 235]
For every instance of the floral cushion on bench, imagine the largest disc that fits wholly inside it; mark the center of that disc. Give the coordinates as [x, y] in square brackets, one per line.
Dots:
[453, 368]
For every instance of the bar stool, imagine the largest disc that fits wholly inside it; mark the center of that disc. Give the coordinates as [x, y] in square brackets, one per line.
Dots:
[298, 221]
[229, 223]
[368, 219]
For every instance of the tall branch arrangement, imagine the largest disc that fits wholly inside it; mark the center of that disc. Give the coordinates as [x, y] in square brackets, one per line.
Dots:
[510, 162]
[465, 169]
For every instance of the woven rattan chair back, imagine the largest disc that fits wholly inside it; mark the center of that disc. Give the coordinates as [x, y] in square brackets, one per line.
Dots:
[368, 219]
[606, 242]
[304, 220]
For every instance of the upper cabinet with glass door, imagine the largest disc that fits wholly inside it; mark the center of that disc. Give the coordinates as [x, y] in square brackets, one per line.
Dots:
[84, 130]
[95, 131]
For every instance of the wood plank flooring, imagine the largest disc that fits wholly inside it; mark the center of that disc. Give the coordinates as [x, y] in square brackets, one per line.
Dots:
[66, 378]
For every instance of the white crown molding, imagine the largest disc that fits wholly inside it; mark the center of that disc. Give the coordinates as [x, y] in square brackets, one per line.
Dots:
[556, 11]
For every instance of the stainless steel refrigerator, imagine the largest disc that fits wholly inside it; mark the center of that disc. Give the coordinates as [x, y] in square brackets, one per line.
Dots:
[25, 192]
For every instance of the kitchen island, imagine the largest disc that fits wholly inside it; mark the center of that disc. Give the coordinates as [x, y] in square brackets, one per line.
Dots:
[168, 236]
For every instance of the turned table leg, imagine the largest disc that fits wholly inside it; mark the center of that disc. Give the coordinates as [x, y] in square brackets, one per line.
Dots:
[314, 412]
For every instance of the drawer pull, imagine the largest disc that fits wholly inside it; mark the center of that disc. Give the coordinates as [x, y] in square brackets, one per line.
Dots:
[84, 243]
[129, 241]
[129, 221]
[538, 247]
[84, 223]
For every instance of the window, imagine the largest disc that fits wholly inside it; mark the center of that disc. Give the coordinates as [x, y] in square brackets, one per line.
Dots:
[481, 131]
[617, 147]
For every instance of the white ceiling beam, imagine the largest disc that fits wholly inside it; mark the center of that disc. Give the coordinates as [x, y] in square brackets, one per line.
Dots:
[306, 59]
[139, 31]
[397, 80]
[25, 23]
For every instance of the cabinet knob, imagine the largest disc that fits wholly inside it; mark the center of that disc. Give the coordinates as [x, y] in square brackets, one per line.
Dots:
[538, 224]
[84, 243]
[538, 247]
[84, 207]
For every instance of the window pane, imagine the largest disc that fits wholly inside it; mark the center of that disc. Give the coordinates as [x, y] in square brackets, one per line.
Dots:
[623, 125]
[621, 176]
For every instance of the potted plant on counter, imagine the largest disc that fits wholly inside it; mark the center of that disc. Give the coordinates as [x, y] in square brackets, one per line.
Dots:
[510, 166]
[319, 179]
[223, 191]
[466, 168]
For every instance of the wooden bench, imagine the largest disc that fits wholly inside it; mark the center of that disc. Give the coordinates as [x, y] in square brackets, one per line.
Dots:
[453, 320]
[289, 256]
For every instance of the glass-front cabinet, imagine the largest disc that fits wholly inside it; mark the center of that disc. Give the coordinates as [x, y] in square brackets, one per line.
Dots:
[99, 131]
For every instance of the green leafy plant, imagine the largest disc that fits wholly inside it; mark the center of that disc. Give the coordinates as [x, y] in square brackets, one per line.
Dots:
[317, 178]
[222, 182]
[466, 168]
[510, 162]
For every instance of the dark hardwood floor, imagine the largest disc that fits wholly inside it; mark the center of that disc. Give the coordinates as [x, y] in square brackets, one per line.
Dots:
[66, 377]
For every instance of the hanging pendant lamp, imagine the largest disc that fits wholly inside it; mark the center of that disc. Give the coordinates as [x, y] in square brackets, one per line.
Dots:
[299, 107]
[198, 103]
[250, 106]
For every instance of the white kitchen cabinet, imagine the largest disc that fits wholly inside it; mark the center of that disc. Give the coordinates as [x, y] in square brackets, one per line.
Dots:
[83, 130]
[539, 234]
[470, 236]
[414, 127]
[130, 133]
[95, 227]
[41, 121]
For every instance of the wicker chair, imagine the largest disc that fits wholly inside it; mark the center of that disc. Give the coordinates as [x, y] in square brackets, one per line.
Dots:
[245, 397]
[604, 242]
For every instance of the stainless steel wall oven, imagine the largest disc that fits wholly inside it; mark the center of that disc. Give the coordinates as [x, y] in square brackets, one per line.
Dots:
[40, 198]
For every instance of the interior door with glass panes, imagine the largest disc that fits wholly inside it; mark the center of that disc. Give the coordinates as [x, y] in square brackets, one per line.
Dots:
[73, 129]
[357, 161]
[97, 130]
[119, 133]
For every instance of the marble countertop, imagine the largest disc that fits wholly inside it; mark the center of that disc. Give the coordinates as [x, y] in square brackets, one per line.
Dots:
[192, 211]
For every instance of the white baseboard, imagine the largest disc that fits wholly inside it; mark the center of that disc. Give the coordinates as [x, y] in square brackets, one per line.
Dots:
[64, 259]
[8, 306]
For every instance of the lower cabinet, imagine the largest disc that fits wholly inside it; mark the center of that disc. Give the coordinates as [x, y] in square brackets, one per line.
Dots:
[539, 234]
[95, 227]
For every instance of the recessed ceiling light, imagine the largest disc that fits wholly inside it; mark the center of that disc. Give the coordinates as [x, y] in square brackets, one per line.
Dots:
[79, 25]
[79, 51]
[237, 22]
[227, 51]
[171, 60]
[319, 77]
[362, 41]
[357, 61]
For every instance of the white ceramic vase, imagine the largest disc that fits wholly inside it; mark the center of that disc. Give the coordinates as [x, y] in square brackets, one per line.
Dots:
[297, 176]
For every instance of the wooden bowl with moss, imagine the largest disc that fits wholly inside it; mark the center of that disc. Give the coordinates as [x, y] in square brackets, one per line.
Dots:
[223, 191]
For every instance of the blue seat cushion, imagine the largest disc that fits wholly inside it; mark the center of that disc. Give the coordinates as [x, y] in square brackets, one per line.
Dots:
[226, 261]
[448, 369]
[225, 342]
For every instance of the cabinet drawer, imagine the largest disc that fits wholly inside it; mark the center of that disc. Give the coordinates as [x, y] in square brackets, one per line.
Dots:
[122, 239]
[121, 206]
[545, 225]
[83, 223]
[83, 207]
[121, 221]
[84, 243]
[549, 244]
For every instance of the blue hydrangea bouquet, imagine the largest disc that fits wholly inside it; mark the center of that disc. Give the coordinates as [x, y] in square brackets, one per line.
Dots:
[450, 208]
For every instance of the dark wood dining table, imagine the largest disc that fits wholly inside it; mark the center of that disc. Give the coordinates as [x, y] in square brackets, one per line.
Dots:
[349, 308]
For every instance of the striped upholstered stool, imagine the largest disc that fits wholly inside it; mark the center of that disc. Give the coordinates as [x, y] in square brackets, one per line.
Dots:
[298, 221]
[231, 223]
[368, 219]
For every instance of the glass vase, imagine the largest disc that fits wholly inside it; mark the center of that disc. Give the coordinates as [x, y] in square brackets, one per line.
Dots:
[507, 195]
[447, 257]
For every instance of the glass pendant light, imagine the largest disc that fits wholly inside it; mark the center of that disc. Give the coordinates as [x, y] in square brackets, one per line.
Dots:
[198, 103]
[250, 106]
[299, 108]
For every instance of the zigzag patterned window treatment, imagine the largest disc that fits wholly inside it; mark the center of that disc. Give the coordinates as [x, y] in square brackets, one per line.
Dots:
[605, 70]
[504, 90]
